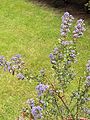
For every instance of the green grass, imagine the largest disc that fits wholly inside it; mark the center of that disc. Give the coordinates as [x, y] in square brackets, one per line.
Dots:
[32, 31]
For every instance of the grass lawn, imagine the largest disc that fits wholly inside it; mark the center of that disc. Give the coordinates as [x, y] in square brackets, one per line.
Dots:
[32, 31]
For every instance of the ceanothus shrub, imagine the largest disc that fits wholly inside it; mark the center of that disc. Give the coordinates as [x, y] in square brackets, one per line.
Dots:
[54, 101]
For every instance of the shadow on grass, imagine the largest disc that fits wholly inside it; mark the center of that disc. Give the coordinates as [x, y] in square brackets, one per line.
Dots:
[75, 9]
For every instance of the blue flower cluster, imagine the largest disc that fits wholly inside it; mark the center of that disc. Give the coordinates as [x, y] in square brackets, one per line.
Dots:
[67, 20]
[41, 88]
[88, 74]
[14, 66]
[87, 88]
[79, 29]
[36, 112]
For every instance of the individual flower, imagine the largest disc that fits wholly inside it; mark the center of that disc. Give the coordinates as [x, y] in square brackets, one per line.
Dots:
[42, 72]
[60, 56]
[72, 55]
[69, 62]
[20, 76]
[36, 112]
[55, 51]
[14, 58]
[86, 110]
[52, 58]
[8, 66]
[66, 43]
[88, 66]
[87, 83]
[30, 102]
[14, 67]
[2, 60]
[73, 51]
[18, 56]
[88, 78]
[41, 101]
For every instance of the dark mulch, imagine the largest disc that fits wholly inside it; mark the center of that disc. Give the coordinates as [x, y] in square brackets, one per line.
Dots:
[75, 9]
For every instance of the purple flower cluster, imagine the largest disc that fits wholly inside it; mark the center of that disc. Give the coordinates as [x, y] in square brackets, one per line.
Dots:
[16, 61]
[41, 88]
[79, 29]
[14, 66]
[16, 57]
[67, 20]
[36, 112]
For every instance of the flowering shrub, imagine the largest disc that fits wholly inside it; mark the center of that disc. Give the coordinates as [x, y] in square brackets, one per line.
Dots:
[53, 101]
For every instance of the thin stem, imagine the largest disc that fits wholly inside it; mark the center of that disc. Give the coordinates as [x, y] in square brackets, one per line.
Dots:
[66, 106]
[61, 98]
[58, 108]
[77, 112]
